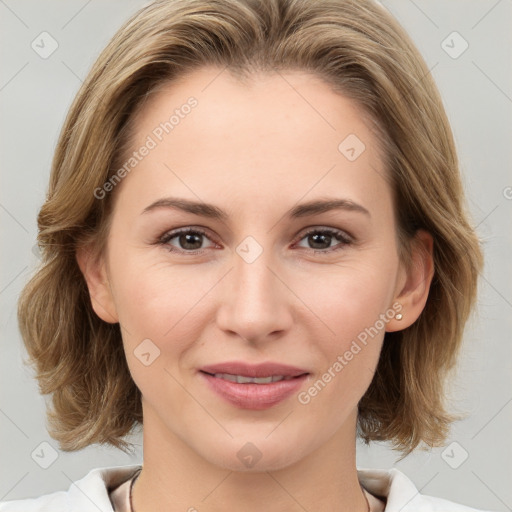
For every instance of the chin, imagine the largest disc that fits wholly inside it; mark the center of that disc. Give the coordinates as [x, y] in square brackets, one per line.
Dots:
[254, 454]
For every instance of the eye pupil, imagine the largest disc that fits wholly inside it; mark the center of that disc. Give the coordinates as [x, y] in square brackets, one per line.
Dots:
[316, 239]
[187, 239]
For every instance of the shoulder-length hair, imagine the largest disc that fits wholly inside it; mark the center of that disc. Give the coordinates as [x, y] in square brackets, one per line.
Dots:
[361, 51]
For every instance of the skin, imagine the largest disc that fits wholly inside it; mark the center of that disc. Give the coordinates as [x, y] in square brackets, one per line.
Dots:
[255, 150]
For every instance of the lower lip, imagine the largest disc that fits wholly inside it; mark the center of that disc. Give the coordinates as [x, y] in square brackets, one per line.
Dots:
[254, 396]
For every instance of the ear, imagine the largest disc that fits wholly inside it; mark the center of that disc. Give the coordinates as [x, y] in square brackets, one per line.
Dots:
[413, 284]
[93, 268]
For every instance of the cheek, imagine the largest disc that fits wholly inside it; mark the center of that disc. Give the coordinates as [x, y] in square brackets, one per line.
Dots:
[161, 302]
[159, 324]
[149, 293]
[350, 296]
[354, 305]
[348, 344]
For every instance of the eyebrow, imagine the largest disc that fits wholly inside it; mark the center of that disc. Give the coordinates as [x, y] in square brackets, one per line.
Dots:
[213, 212]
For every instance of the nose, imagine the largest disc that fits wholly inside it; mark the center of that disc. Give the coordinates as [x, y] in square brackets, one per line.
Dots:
[255, 304]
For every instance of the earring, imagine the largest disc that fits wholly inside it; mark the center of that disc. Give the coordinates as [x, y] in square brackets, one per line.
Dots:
[399, 316]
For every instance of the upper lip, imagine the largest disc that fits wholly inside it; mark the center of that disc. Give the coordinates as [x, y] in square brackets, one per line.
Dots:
[254, 370]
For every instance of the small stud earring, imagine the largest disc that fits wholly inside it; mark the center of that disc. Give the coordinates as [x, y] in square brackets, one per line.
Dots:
[399, 316]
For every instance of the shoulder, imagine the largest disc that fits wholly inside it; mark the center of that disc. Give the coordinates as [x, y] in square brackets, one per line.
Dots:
[89, 493]
[402, 495]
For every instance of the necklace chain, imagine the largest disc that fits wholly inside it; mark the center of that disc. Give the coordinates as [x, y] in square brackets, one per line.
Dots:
[131, 489]
[137, 475]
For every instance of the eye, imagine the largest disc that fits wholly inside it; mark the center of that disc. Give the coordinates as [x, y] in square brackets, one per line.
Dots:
[189, 240]
[320, 239]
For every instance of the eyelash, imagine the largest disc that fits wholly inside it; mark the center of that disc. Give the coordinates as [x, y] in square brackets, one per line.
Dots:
[341, 236]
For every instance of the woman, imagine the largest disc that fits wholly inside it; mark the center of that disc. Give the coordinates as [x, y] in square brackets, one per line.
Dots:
[255, 243]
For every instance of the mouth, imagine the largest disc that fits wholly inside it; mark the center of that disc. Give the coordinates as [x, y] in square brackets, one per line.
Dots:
[254, 387]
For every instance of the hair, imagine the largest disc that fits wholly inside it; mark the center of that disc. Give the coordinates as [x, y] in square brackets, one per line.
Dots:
[358, 48]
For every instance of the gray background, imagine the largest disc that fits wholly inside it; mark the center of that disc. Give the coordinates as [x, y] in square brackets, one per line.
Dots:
[35, 94]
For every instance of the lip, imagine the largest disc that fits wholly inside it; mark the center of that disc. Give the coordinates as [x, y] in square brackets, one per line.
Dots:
[251, 395]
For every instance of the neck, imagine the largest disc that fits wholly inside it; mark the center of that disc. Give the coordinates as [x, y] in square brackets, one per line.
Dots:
[175, 478]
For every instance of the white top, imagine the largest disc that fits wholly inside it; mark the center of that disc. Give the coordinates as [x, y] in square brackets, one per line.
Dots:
[95, 493]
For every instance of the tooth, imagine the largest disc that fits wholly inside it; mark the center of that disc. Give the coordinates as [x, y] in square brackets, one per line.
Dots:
[241, 379]
[226, 376]
[262, 380]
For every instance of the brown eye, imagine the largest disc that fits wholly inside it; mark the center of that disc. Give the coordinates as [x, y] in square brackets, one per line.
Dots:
[322, 239]
[185, 240]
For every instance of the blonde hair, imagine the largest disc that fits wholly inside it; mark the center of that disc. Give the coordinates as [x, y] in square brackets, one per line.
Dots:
[361, 51]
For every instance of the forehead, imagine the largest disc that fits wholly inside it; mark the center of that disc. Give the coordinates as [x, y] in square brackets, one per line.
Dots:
[278, 102]
[268, 135]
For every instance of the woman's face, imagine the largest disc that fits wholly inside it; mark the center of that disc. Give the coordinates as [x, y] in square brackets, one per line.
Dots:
[272, 279]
